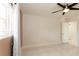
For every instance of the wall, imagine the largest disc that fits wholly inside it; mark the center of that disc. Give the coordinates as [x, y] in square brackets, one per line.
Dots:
[77, 18]
[40, 31]
[5, 46]
[21, 16]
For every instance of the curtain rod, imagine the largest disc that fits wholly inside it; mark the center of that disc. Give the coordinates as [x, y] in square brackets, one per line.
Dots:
[12, 4]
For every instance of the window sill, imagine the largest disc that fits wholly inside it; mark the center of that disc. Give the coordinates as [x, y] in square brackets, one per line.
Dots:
[4, 37]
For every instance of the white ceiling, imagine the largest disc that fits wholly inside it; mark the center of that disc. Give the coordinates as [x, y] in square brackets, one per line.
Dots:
[44, 9]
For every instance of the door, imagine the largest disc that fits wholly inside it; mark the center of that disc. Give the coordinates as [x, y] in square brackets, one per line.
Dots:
[73, 33]
[65, 32]
[69, 32]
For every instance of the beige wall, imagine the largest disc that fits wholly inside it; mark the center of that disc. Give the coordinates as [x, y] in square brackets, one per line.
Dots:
[40, 30]
[77, 18]
[21, 17]
[5, 46]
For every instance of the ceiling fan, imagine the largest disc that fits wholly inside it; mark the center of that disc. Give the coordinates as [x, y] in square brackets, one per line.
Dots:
[66, 8]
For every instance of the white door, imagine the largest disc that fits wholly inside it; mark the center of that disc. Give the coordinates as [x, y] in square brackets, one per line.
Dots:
[65, 32]
[69, 32]
[73, 33]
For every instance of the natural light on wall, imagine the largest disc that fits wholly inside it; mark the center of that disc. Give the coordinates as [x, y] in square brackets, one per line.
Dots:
[5, 19]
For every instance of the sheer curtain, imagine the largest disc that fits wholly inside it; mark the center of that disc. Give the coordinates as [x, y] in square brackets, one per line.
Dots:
[5, 19]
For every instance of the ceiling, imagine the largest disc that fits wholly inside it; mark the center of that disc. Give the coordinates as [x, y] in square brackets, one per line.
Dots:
[45, 9]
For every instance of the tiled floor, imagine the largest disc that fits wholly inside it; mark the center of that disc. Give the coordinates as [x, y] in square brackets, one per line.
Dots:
[53, 50]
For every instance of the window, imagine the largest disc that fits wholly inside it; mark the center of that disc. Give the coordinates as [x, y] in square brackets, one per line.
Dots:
[5, 19]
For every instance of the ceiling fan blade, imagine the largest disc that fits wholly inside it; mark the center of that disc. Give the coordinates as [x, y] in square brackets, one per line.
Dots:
[61, 5]
[74, 8]
[56, 11]
[72, 5]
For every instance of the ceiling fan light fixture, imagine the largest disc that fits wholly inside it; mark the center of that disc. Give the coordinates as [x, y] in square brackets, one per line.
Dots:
[66, 7]
[65, 10]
